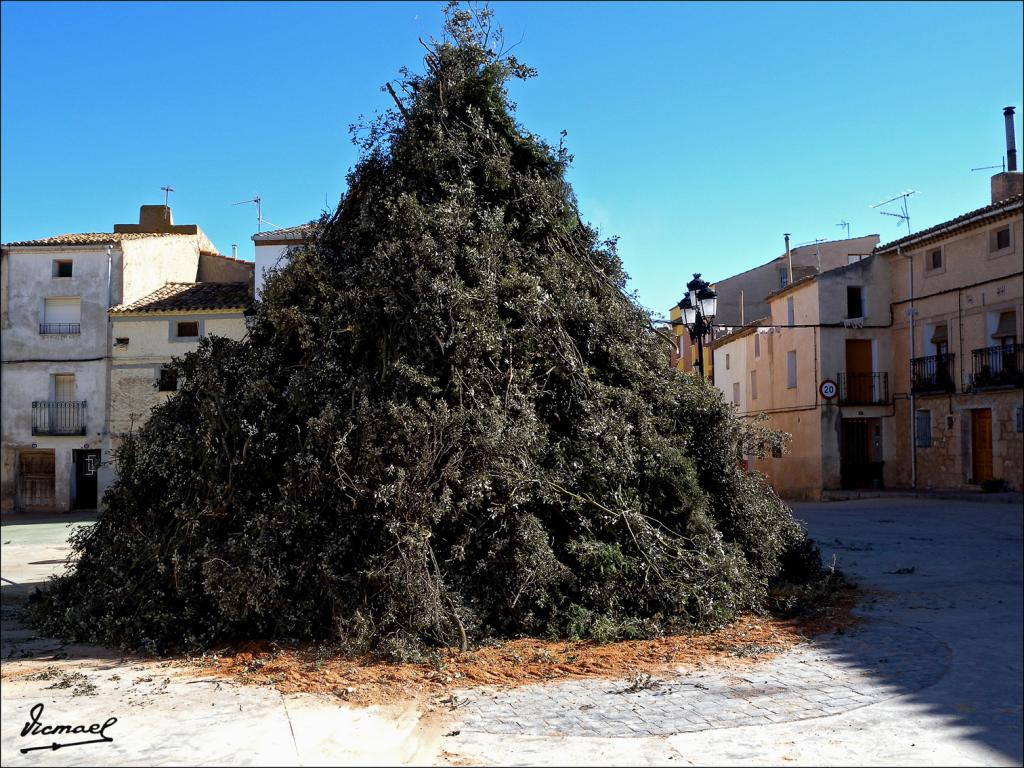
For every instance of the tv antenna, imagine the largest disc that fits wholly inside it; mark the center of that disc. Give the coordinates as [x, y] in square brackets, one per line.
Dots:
[1001, 166]
[845, 223]
[259, 212]
[817, 250]
[167, 194]
[904, 214]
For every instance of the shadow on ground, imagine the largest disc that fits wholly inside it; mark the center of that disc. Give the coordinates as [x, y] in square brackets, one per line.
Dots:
[951, 570]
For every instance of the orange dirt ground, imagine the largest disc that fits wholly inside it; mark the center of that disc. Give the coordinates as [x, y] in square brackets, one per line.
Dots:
[364, 681]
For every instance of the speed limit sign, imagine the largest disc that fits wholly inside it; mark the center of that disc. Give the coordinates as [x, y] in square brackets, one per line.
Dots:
[828, 389]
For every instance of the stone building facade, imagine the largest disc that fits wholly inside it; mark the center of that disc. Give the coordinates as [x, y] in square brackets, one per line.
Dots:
[150, 332]
[55, 447]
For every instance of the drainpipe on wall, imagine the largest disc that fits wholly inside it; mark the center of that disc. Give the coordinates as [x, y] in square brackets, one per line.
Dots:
[913, 409]
[105, 452]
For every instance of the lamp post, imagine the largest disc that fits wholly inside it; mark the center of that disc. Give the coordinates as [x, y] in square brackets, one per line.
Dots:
[699, 306]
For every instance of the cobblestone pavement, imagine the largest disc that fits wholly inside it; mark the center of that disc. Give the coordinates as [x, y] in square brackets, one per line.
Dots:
[810, 681]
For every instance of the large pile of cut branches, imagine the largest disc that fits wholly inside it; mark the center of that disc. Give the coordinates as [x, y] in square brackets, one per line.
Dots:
[448, 422]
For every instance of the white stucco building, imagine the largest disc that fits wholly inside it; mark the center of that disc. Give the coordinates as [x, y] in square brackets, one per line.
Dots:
[55, 293]
[272, 248]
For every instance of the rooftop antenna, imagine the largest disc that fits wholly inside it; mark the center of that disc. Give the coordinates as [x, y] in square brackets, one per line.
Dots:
[1001, 166]
[259, 210]
[167, 194]
[817, 250]
[904, 214]
[845, 223]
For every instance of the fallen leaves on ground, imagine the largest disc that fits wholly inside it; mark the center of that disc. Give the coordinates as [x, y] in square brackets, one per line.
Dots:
[365, 681]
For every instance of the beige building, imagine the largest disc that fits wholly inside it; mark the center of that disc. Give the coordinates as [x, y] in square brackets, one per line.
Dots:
[957, 293]
[901, 370]
[55, 292]
[742, 297]
[150, 332]
[830, 327]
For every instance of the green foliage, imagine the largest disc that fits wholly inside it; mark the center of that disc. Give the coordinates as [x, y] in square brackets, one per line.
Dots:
[448, 422]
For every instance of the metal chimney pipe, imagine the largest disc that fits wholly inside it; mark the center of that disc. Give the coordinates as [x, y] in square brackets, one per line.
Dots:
[1011, 141]
[234, 251]
[789, 261]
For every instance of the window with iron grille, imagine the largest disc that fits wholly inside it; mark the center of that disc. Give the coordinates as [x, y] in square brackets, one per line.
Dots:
[923, 428]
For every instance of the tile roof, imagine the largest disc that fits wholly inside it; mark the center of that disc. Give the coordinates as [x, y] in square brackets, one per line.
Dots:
[178, 297]
[84, 238]
[947, 227]
[299, 231]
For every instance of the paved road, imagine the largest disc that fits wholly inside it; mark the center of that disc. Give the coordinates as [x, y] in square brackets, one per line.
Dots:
[933, 678]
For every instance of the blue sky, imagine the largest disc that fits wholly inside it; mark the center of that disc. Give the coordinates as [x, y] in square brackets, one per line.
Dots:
[701, 131]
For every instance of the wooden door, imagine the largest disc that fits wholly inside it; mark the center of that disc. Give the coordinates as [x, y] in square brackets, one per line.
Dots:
[854, 456]
[858, 371]
[981, 445]
[36, 487]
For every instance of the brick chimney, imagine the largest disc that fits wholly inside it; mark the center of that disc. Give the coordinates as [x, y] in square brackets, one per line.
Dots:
[157, 219]
[1010, 182]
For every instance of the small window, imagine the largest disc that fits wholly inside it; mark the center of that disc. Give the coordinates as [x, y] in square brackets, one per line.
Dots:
[934, 259]
[1000, 239]
[1020, 419]
[923, 428]
[791, 369]
[753, 385]
[727, 361]
[854, 301]
[187, 329]
[168, 379]
[790, 311]
[121, 341]
[62, 267]
[757, 344]
[783, 278]
[736, 393]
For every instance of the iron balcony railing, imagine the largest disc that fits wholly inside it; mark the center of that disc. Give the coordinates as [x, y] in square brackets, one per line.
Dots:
[60, 328]
[1001, 366]
[58, 417]
[933, 373]
[863, 388]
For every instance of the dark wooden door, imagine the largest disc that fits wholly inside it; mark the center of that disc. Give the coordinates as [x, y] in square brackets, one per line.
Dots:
[858, 371]
[981, 445]
[36, 487]
[87, 464]
[855, 453]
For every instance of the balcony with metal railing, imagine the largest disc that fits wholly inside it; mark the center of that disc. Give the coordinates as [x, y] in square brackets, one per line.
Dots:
[58, 417]
[60, 328]
[932, 374]
[863, 388]
[999, 366]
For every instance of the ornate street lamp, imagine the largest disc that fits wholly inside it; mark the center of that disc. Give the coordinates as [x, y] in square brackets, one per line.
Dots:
[699, 306]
